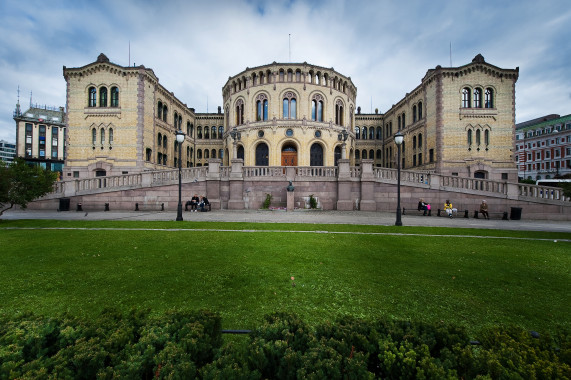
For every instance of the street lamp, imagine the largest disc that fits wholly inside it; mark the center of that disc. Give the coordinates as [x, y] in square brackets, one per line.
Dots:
[179, 139]
[399, 137]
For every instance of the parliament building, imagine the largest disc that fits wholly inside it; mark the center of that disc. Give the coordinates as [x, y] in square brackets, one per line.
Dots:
[457, 121]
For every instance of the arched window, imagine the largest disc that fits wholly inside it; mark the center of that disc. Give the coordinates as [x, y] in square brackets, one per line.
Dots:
[364, 154]
[420, 140]
[487, 138]
[103, 97]
[398, 123]
[220, 132]
[188, 128]
[419, 110]
[289, 106]
[371, 133]
[339, 112]
[469, 138]
[316, 155]
[465, 97]
[261, 107]
[110, 136]
[213, 154]
[213, 133]
[371, 154]
[240, 112]
[206, 132]
[357, 133]
[206, 153]
[478, 137]
[148, 154]
[413, 142]
[357, 154]
[489, 99]
[403, 120]
[102, 136]
[317, 108]
[160, 140]
[221, 153]
[298, 76]
[165, 112]
[199, 132]
[94, 136]
[91, 99]
[114, 97]
[414, 114]
[160, 110]
[199, 154]
[379, 133]
[477, 98]
[240, 152]
[262, 154]
[282, 75]
[379, 154]
[364, 135]
[290, 75]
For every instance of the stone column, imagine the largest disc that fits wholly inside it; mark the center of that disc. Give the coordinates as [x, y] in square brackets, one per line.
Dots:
[213, 183]
[368, 202]
[236, 201]
[344, 201]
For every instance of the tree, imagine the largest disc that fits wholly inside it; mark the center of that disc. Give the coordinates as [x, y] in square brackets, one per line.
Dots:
[21, 183]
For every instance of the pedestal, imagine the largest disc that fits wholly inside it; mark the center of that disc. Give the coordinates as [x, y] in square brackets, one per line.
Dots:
[290, 201]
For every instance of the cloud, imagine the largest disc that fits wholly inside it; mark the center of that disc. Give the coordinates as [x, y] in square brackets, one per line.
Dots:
[194, 46]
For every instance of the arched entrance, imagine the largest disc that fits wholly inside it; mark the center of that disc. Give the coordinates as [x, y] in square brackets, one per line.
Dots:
[240, 152]
[289, 155]
[262, 154]
[316, 155]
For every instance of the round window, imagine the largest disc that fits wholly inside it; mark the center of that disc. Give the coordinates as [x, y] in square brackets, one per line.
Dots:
[289, 132]
[260, 133]
[317, 134]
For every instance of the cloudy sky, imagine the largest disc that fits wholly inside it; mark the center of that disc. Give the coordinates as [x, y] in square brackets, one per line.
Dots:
[385, 46]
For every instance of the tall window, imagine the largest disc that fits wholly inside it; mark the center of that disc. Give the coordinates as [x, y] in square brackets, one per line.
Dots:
[240, 112]
[339, 112]
[54, 141]
[199, 132]
[94, 136]
[317, 108]
[466, 97]
[489, 98]
[206, 133]
[487, 138]
[110, 136]
[403, 120]
[364, 135]
[103, 97]
[379, 133]
[371, 133]
[160, 110]
[261, 107]
[213, 133]
[114, 97]
[357, 133]
[469, 138]
[91, 101]
[419, 110]
[102, 136]
[478, 98]
[289, 106]
[414, 113]
[477, 137]
[220, 132]
[420, 141]
[165, 112]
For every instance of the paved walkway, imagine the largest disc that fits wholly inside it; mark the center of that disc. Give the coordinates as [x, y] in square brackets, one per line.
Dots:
[298, 216]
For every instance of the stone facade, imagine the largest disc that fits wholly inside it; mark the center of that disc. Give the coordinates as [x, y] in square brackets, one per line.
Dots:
[458, 121]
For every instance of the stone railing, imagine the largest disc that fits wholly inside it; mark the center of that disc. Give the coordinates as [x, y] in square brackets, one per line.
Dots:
[264, 171]
[406, 176]
[542, 192]
[476, 184]
[316, 171]
[171, 176]
[113, 182]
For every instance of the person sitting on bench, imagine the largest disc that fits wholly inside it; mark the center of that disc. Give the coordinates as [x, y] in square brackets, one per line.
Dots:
[194, 203]
[423, 206]
[204, 203]
[484, 209]
[448, 208]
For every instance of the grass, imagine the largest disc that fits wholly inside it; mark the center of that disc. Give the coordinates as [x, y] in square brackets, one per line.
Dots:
[364, 271]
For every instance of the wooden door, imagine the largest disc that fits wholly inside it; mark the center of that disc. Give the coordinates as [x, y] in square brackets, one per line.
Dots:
[289, 158]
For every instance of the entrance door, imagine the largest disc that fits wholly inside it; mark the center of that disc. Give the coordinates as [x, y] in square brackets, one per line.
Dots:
[289, 156]
[262, 153]
[316, 155]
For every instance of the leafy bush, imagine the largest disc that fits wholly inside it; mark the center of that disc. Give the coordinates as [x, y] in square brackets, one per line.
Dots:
[267, 202]
[312, 202]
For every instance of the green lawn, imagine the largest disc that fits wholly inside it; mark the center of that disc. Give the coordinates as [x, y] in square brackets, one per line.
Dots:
[468, 280]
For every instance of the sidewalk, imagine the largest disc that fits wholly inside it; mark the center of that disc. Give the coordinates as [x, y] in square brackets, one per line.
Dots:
[297, 216]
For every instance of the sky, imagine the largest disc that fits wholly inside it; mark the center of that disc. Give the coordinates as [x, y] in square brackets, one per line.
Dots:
[385, 46]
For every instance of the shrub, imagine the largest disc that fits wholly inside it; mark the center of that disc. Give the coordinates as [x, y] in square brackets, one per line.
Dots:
[267, 202]
[312, 202]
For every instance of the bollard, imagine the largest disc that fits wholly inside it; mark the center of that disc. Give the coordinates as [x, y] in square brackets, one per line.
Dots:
[162, 207]
[438, 212]
[403, 210]
[505, 217]
[136, 206]
[106, 206]
[475, 214]
[466, 214]
[79, 207]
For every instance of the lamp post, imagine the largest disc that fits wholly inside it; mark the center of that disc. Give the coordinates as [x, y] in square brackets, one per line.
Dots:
[399, 137]
[179, 140]
[343, 137]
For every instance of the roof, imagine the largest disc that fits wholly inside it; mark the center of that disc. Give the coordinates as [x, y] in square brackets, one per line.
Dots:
[544, 121]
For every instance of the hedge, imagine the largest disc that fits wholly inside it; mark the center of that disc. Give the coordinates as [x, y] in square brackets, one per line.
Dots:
[187, 345]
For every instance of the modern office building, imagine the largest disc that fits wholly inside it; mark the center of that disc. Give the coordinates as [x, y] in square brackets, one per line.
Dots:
[457, 121]
[7, 151]
[41, 135]
[543, 147]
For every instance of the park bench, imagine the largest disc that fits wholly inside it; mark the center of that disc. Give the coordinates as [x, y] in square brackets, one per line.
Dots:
[502, 214]
[149, 207]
